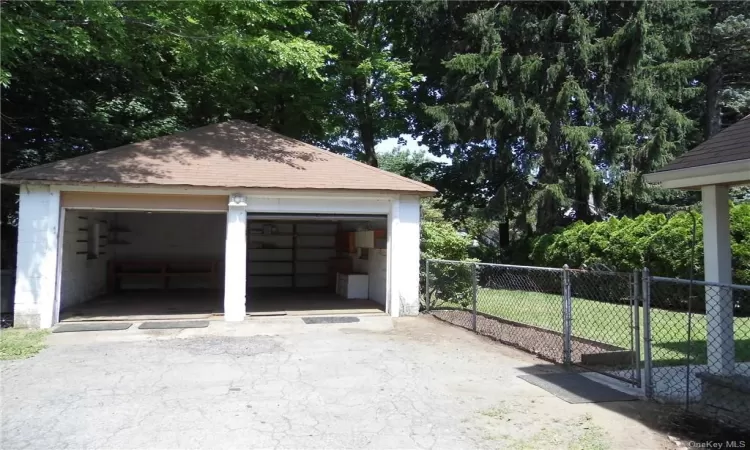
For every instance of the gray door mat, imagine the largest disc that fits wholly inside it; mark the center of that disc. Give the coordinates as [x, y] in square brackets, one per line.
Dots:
[89, 326]
[330, 319]
[575, 388]
[173, 324]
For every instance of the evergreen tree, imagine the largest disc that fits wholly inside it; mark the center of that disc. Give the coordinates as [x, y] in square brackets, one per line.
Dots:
[549, 106]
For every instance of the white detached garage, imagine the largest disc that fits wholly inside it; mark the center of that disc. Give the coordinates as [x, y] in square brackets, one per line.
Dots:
[226, 219]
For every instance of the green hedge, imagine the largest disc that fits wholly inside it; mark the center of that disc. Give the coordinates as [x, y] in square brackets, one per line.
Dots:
[651, 240]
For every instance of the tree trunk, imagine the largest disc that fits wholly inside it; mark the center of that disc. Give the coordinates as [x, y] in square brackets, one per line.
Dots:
[548, 211]
[504, 233]
[582, 197]
[361, 90]
[713, 110]
[365, 124]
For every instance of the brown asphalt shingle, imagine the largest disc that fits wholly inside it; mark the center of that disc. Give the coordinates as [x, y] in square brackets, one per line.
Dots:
[731, 144]
[233, 154]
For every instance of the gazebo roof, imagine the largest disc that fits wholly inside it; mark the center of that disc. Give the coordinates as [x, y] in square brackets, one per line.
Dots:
[723, 159]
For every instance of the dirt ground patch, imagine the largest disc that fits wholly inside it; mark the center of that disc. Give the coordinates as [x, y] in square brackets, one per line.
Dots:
[546, 344]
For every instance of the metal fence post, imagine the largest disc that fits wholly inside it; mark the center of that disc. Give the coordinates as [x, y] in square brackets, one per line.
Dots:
[474, 297]
[427, 285]
[567, 310]
[647, 362]
[636, 325]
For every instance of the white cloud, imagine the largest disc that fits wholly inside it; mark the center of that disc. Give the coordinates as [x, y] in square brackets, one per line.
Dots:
[411, 144]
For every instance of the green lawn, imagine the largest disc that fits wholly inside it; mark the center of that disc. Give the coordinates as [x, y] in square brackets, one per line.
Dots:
[610, 323]
[20, 344]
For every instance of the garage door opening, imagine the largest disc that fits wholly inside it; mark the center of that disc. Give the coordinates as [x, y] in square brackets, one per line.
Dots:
[141, 265]
[316, 264]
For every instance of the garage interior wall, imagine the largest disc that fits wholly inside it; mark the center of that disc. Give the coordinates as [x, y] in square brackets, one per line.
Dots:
[84, 269]
[170, 237]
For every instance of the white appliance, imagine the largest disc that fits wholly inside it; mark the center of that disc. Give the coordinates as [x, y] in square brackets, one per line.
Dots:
[352, 285]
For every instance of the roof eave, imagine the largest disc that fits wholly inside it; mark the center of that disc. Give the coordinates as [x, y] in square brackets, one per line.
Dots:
[731, 173]
[19, 182]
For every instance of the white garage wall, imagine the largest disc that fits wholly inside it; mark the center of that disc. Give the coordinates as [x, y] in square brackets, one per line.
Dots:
[377, 270]
[83, 278]
[404, 257]
[37, 257]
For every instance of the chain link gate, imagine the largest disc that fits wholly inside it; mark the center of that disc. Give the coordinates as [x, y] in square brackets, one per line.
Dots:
[601, 315]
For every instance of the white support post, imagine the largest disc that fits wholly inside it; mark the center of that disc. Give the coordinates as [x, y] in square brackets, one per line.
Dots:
[718, 269]
[235, 260]
[37, 258]
[404, 256]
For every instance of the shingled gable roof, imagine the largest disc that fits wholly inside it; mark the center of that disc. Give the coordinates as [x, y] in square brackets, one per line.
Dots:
[731, 144]
[233, 154]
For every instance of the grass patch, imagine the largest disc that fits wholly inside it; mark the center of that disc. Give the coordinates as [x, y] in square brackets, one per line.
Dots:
[20, 343]
[495, 413]
[610, 323]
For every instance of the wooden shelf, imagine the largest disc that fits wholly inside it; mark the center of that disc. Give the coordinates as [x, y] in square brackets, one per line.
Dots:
[293, 234]
[282, 261]
[271, 274]
[271, 248]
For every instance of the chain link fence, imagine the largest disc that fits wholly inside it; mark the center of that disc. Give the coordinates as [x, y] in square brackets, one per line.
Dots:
[686, 343]
[578, 317]
[519, 306]
[697, 347]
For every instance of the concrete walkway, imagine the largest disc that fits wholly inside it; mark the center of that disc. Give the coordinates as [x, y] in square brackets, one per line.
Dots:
[277, 383]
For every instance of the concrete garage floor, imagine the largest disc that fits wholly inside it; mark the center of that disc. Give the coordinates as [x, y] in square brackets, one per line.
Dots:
[306, 302]
[205, 304]
[277, 383]
[147, 305]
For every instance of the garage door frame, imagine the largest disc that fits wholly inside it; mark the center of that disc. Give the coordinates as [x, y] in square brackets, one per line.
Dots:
[306, 207]
[125, 202]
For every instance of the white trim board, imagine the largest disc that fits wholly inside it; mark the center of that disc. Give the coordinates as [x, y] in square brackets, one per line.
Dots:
[727, 174]
[249, 192]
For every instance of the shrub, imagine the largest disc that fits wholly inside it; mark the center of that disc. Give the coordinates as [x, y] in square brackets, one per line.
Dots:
[651, 240]
[448, 282]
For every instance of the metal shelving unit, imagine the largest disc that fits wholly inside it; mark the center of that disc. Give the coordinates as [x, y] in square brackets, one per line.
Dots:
[293, 255]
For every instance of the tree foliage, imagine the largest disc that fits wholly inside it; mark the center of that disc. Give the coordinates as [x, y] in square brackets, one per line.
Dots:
[369, 83]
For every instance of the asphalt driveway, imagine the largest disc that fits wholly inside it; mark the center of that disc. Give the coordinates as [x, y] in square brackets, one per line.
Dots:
[266, 384]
